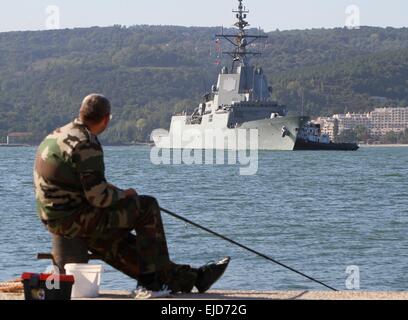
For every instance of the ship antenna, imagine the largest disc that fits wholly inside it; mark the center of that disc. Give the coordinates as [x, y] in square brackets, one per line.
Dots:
[241, 16]
[240, 40]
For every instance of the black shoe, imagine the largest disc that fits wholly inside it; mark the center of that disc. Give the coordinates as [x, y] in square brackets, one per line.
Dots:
[149, 282]
[179, 278]
[183, 279]
[210, 273]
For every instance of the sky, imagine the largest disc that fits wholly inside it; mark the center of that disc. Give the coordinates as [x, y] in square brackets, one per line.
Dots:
[18, 15]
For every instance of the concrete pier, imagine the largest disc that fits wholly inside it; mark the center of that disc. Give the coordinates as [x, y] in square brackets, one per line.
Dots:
[253, 295]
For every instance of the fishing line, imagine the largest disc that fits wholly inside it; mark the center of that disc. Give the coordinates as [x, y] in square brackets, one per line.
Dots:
[245, 247]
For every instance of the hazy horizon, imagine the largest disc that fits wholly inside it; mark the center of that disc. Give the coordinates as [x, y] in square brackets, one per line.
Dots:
[175, 26]
[24, 15]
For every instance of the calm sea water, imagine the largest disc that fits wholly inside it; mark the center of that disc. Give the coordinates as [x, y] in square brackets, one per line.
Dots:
[318, 212]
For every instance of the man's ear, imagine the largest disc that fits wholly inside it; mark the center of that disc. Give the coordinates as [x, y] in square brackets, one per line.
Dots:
[107, 118]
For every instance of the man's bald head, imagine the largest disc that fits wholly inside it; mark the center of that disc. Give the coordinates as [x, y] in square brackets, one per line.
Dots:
[94, 108]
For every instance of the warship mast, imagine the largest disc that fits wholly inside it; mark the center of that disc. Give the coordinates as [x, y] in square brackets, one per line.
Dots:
[241, 40]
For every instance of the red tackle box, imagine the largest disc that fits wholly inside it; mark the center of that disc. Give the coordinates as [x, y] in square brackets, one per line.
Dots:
[45, 286]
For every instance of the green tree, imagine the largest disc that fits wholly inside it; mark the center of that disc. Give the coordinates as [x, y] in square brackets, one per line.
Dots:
[403, 137]
[390, 138]
[335, 130]
[362, 133]
[347, 136]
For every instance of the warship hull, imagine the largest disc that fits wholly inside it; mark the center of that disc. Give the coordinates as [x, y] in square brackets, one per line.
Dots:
[269, 135]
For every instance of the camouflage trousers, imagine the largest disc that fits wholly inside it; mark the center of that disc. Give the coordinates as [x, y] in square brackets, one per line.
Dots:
[130, 237]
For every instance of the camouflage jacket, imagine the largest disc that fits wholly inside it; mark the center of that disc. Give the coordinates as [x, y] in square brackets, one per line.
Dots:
[69, 173]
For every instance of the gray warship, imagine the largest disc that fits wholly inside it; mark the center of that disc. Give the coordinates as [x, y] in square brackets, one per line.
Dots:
[239, 102]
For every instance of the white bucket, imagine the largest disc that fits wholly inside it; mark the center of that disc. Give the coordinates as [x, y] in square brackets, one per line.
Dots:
[87, 279]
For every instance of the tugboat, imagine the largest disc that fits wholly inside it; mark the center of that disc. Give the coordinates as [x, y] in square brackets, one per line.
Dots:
[311, 137]
[240, 101]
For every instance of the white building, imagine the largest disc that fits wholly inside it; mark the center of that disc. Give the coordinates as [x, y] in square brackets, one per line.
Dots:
[326, 125]
[378, 122]
[350, 121]
[384, 120]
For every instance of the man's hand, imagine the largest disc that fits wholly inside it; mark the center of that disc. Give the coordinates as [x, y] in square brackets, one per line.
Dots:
[130, 193]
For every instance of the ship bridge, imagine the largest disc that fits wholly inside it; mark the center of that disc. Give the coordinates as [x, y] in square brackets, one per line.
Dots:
[247, 84]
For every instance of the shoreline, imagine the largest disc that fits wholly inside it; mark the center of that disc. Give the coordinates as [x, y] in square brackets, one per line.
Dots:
[150, 145]
[383, 145]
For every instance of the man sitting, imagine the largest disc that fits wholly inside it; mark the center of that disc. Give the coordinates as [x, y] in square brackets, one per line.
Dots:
[74, 200]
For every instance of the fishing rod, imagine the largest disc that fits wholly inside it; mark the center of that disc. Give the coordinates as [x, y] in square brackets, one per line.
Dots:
[245, 247]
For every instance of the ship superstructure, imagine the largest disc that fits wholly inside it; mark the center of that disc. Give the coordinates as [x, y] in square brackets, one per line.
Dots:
[241, 100]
